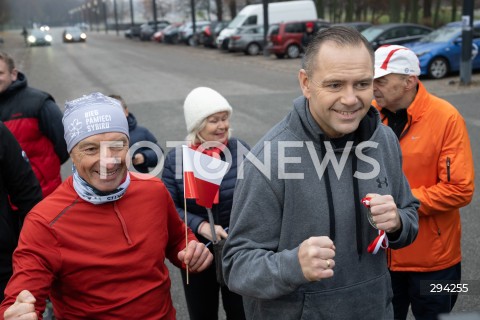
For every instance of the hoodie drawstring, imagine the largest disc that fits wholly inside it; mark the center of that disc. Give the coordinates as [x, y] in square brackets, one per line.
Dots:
[358, 211]
[328, 189]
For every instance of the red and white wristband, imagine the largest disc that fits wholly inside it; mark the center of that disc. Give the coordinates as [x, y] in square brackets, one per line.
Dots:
[381, 241]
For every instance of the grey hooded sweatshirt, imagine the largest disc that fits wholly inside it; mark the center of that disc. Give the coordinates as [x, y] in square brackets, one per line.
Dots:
[284, 198]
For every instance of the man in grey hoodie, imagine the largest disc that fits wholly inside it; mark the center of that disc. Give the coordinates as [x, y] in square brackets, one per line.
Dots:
[299, 237]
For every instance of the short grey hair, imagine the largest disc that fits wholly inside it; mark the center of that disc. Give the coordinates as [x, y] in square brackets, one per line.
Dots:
[342, 36]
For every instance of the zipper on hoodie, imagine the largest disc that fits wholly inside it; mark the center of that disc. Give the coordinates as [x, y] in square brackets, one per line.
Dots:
[448, 169]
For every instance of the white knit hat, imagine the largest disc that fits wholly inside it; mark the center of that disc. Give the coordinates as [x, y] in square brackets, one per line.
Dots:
[201, 103]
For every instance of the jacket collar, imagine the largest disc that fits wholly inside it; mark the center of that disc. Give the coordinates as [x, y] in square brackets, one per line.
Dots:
[419, 106]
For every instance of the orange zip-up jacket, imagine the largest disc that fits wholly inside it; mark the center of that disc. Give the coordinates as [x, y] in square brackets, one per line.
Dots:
[438, 164]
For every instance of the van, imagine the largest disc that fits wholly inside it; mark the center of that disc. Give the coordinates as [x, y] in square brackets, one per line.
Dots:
[277, 12]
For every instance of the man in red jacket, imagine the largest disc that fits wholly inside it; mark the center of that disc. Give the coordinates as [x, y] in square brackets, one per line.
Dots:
[36, 121]
[438, 163]
[98, 243]
[20, 187]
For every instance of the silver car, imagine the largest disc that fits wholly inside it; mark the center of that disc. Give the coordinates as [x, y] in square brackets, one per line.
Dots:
[248, 39]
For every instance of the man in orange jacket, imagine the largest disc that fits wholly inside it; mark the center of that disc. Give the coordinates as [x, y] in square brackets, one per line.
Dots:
[437, 161]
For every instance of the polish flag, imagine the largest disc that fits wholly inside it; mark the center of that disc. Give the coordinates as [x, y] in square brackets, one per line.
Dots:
[202, 176]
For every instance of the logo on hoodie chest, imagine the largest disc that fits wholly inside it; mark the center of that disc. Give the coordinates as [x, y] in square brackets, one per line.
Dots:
[382, 182]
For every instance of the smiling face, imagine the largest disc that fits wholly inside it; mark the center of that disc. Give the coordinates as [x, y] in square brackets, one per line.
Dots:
[97, 163]
[216, 127]
[339, 90]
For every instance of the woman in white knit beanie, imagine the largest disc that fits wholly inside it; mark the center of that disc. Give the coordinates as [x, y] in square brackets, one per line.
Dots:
[207, 117]
[207, 114]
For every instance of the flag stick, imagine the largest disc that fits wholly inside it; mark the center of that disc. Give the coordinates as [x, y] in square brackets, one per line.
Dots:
[186, 228]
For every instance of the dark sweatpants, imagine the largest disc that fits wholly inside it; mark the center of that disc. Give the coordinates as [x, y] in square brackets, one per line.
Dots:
[406, 291]
[202, 295]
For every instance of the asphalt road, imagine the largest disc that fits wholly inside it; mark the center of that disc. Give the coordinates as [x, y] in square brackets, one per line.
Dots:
[155, 78]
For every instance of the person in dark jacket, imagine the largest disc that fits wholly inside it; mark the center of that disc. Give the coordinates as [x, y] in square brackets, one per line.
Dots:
[19, 192]
[146, 156]
[36, 122]
[207, 115]
[308, 34]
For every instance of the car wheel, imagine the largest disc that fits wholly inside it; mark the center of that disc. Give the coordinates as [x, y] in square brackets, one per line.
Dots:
[293, 51]
[225, 44]
[438, 68]
[253, 49]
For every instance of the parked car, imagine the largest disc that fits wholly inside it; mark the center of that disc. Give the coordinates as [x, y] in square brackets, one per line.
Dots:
[39, 38]
[247, 39]
[360, 26]
[285, 39]
[394, 33]
[133, 31]
[440, 52]
[74, 34]
[186, 32]
[282, 11]
[171, 34]
[210, 32]
[148, 29]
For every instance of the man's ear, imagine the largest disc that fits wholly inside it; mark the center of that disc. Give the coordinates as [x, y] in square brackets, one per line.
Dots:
[412, 82]
[14, 74]
[304, 83]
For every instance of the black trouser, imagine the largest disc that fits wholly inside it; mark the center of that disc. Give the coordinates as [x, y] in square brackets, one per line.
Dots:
[202, 295]
[406, 291]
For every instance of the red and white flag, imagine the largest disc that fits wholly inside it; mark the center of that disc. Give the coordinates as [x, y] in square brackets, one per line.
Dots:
[202, 176]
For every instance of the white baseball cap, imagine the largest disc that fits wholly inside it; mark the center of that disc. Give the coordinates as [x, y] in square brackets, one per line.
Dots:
[395, 59]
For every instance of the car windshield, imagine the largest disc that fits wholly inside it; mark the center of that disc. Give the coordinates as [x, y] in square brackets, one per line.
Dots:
[444, 34]
[372, 32]
[74, 30]
[237, 21]
[38, 33]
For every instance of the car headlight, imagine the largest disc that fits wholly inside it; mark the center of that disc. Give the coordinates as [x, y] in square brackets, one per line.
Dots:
[31, 39]
[48, 38]
[68, 36]
[83, 36]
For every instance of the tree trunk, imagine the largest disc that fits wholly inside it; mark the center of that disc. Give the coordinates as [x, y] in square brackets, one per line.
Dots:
[359, 9]
[219, 5]
[406, 12]
[394, 6]
[331, 10]
[454, 10]
[415, 9]
[436, 15]
[349, 11]
[320, 6]
[427, 12]
[232, 6]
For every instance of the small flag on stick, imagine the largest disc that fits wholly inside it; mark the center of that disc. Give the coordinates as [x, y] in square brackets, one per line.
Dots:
[202, 176]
